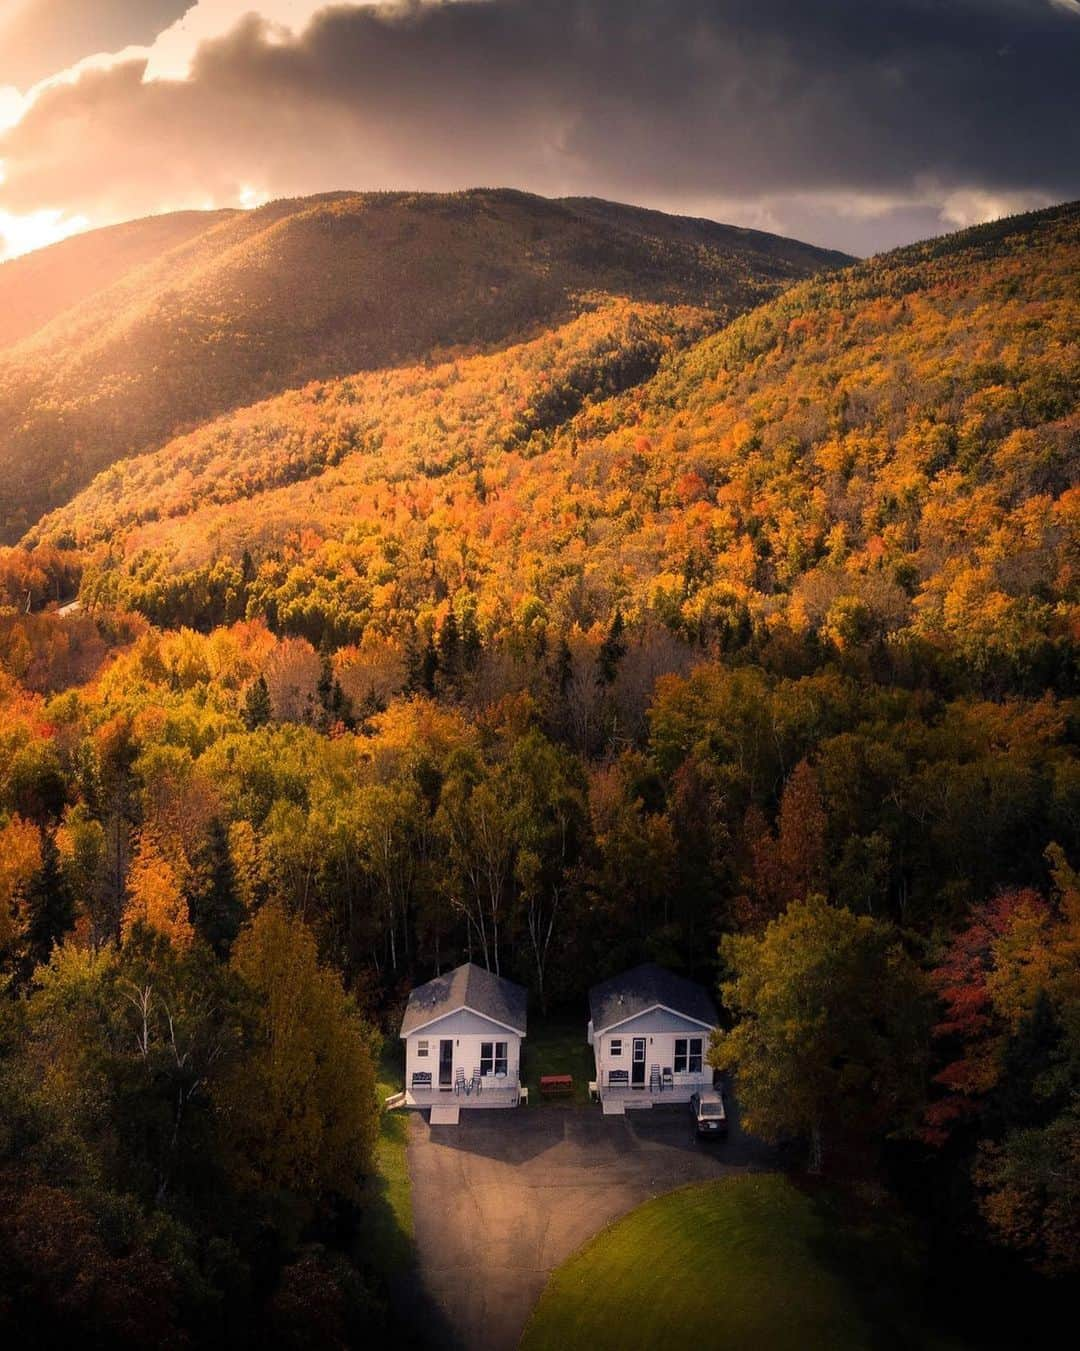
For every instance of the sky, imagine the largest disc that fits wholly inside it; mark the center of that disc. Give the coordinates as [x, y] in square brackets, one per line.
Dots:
[858, 124]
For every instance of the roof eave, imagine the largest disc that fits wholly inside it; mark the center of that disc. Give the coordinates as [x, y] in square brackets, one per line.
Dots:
[463, 1008]
[651, 1008]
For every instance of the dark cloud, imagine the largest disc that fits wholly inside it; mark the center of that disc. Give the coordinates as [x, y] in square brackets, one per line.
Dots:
[40, 37]
[851, 121]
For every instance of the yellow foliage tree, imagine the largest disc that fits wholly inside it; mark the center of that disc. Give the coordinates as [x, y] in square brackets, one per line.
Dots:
[155, 897]
[299, 1110]
[20, 858]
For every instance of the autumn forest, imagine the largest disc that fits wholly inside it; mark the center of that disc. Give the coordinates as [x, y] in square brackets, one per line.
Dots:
[391, 580]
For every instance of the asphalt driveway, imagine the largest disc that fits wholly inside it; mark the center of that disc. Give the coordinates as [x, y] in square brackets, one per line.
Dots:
[505, 1196]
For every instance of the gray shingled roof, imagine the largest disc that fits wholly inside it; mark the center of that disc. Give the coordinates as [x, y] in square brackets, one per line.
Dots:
[643, 988]
[466, 987]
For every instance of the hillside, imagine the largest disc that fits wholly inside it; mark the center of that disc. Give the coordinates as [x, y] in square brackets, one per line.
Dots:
[260, 302]
[887, 455]
[39, 286]
[629, 634]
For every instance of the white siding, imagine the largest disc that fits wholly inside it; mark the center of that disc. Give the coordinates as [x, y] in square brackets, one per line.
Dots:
[660, 1031]
[468, 1032]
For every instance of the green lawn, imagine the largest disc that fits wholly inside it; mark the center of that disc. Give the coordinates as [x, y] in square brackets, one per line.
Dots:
[557, 1046]
[389, 1233]
[748, 1262]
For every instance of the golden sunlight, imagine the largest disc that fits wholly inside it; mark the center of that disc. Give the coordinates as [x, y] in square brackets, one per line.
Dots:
[22, 234]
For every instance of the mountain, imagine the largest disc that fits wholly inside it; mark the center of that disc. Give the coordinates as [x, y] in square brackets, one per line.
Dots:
[39, 286]
[889, 453]
[150, 330]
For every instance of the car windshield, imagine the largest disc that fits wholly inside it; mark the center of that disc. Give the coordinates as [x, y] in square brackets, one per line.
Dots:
[712, 1109]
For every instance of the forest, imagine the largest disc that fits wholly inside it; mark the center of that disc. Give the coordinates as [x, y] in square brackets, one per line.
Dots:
[744, 642]
[201, 313]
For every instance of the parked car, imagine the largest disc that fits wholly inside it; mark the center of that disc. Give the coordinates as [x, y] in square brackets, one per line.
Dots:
[710, 1117]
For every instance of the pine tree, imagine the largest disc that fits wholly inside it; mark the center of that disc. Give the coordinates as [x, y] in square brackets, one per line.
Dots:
[470, 640]
[258, 709]
[429, 667]
[50, 906]
[612, 651]
[215, 904]
[421, 664]
[450, 649]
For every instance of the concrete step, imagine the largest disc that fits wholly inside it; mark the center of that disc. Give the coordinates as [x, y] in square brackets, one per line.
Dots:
[445, 1116]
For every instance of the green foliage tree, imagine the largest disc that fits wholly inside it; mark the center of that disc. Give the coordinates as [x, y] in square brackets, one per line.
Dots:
[830, 1028]
[550, 797]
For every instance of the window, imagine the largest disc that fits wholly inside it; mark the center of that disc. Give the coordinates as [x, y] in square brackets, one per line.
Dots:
[421, 1048]
[492, 1057]
[615, 1046]
[688, 1055]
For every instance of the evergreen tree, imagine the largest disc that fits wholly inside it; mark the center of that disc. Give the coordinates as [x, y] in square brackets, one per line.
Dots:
[429, 667]
[450, 649]
[612, 651]
[334, 706]
[258, 709]
[215, 904]
[421, 664]
[470, 640]
[50, 906]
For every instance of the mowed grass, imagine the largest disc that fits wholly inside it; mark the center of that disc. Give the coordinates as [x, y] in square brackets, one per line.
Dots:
[735, 1263]
[557, 1046]
[389, 1220]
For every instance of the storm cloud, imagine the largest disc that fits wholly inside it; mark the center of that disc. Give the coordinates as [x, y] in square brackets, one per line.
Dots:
[852, 123]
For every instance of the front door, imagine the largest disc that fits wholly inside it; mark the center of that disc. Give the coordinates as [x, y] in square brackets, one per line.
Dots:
[637, 1065]
[446, 1064]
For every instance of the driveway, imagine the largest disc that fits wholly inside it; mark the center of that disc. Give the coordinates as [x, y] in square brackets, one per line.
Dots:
[505, 1196]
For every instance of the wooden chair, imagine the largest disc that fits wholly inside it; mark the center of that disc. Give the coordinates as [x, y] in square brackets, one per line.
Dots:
[668, 1079]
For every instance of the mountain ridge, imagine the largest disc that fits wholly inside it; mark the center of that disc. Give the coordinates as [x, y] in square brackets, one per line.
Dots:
[315, 288]
[888, 450]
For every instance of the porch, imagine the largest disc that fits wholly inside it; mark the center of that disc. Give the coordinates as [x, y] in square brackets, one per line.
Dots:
[619, 1098]
[490, 1091]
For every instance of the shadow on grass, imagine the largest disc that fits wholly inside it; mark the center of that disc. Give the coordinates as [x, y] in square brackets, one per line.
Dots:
[876, 1253]
[388, 1246]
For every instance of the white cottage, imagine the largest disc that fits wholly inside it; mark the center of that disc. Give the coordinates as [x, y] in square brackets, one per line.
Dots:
[649, 1031]
[463, 1033]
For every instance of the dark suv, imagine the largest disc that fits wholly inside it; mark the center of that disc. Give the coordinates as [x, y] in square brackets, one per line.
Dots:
[710, 1118]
